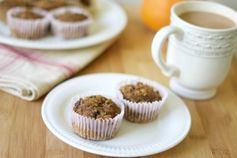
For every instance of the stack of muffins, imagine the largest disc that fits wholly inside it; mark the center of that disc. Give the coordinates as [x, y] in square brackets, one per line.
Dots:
[97, 117]
[67, 22]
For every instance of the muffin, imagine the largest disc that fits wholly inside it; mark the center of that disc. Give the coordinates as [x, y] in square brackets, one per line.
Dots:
[28, 23]
[96, 117]
[70, 22]
[142, 99]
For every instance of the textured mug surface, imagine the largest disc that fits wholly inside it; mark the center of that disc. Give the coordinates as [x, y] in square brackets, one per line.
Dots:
[198, 59]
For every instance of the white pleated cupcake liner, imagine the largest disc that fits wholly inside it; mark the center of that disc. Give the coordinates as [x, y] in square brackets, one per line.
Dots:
[96, 129]
[28, 28]
[70, 30]
[142, 112]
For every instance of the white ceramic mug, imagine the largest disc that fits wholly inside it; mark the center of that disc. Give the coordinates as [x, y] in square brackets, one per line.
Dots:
[198, 59]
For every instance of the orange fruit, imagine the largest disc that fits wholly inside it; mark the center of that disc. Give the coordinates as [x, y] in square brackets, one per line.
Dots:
[155, 14]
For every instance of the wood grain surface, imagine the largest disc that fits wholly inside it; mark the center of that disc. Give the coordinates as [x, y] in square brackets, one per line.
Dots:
[214, 122]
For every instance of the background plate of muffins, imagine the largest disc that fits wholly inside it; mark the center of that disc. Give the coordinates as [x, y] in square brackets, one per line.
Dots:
[62, 27]
[116, 115]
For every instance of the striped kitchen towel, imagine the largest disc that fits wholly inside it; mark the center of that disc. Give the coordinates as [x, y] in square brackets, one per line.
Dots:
[29, 74]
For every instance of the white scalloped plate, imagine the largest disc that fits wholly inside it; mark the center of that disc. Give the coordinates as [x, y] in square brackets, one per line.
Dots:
[110, 21]
[133, 139]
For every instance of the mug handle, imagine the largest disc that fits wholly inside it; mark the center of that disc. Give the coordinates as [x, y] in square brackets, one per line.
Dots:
[156, 50]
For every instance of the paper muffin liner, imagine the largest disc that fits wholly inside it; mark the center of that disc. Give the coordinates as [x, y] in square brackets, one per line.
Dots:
[28, 28]
[96, 129]
[142, 112]
[70, 30]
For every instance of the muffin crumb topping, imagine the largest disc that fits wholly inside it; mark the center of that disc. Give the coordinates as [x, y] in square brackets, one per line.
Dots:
[71, 17]
[97, 107]
[140, 93]
[28, 14]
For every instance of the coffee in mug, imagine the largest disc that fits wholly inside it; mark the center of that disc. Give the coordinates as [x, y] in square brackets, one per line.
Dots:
[207, 20]
[202, 40]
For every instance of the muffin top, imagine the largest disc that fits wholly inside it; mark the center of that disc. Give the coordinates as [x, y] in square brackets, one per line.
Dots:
[140, 92]
[71, 17]
[97, 107]
[28, 14]
[49, 4]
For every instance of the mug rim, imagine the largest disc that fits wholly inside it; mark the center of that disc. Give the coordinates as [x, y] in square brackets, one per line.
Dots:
[207, 3]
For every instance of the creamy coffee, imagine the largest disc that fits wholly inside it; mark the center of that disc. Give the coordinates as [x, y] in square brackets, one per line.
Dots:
[207, 20]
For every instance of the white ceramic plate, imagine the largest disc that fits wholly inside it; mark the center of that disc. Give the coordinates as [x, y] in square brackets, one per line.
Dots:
[110, 20]
[133, 139]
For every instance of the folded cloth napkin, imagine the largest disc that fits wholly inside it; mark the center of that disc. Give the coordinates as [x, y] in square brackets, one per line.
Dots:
[29, 74]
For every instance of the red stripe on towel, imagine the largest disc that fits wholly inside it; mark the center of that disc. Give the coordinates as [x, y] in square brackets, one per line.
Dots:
[32, 58]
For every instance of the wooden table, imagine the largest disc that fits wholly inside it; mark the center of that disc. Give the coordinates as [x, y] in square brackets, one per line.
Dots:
[214, 122]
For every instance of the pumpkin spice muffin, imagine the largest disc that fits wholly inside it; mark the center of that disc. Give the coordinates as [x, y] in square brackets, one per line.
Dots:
[70, 22]
[96, 117]
[143, 99]
[33, 22]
